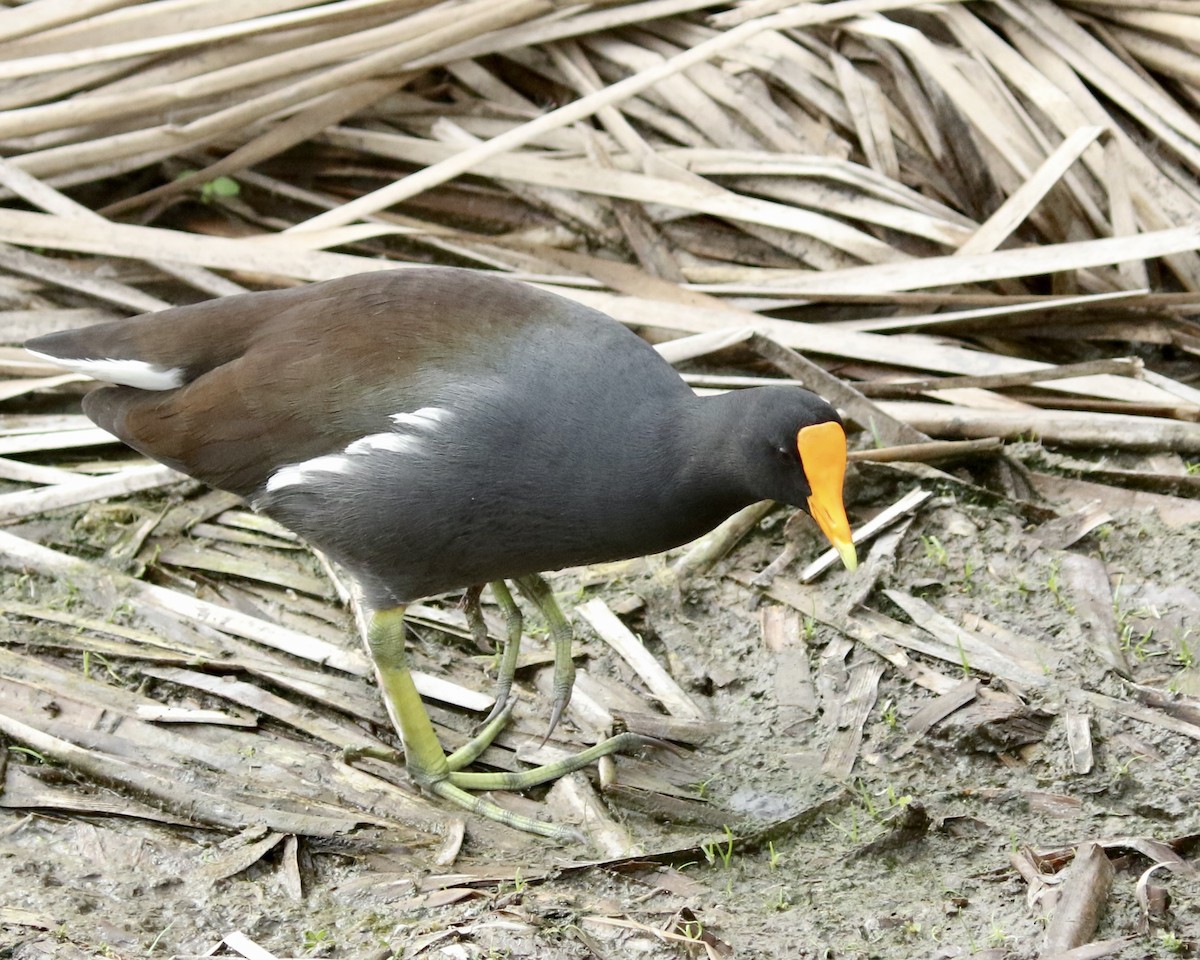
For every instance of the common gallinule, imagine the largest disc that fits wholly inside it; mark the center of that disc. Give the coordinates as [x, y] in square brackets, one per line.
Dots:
[434, 428]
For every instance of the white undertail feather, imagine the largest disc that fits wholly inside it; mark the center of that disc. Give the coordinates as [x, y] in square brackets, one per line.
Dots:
[127, 373]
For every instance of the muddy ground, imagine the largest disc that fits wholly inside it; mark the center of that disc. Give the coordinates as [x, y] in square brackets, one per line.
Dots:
[909, 853]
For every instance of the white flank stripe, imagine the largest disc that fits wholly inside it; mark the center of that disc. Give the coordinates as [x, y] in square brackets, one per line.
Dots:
[426, 418]
[128, 373]
[396, 442]
[358, 452]
[296, 473]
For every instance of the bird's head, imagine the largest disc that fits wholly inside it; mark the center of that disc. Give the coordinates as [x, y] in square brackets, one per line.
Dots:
[798, 445]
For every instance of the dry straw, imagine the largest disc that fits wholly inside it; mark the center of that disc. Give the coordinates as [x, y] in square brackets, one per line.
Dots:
[967, 216]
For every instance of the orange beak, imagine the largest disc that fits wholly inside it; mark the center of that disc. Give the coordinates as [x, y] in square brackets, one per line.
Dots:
[822, 449]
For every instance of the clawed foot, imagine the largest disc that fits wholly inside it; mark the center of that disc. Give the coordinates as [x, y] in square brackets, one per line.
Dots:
[535, 589]
[444, 775]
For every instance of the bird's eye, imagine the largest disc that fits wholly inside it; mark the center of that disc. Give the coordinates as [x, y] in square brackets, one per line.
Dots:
[783, 453]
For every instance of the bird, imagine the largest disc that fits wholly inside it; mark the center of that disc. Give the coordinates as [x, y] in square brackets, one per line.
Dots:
[433, 429]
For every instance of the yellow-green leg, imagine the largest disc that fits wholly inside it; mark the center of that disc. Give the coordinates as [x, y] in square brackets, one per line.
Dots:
[538, 592]
[423, 753]
[514, 623]
[442, 776]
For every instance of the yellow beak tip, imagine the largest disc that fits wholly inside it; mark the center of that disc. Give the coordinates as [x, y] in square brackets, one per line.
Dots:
[848, 554]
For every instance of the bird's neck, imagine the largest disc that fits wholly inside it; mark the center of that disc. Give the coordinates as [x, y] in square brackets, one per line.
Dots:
[708, 450]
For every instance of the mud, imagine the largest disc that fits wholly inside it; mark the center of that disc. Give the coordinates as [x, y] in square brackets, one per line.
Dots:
[908, 856]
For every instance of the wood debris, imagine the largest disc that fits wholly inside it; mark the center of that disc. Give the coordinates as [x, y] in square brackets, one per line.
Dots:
[971, 226]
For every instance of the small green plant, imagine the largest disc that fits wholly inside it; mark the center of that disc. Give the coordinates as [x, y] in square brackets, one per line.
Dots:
[782, 901]
[714, 850]
[215, 189]
[724, 851]
[1125, 614]
[852, 832]
[161, 933]
[1192, 467]
[972, 945]
[89, 656]
[69, 599]
[1186, 653]
[1054, 585]
[1124, 766]
[963, 660]
[868, 807]
[968, 576]
[865, 800]
[935, 551]
[896, 800]
[891, 800]
[1171, 942]
[810, 629]
[692, 929]
[996, 936]
[773, 854]
[1137, 644]
[121, 613]
[519, 882]
[890, 718]
[29, 752]
[1052, 582]
[316, 938]
[875, 436]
